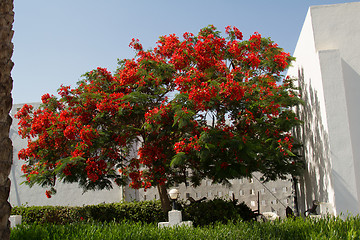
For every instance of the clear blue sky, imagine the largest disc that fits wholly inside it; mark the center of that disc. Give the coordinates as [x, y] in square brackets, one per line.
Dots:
[55, 42]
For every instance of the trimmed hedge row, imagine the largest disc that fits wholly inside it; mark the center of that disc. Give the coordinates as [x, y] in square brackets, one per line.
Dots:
[201, 213]
[146, 212]
[217, 210]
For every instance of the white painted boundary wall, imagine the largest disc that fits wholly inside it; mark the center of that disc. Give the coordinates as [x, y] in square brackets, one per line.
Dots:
[328, 67]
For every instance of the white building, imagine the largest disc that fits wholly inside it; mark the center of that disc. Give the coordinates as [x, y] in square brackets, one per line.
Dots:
[328, 67]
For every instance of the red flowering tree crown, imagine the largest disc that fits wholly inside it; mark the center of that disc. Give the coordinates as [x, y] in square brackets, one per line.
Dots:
[218, 107]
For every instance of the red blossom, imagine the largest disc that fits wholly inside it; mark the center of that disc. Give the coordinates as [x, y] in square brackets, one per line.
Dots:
[45, 98]
[48, 194]
[224, 165]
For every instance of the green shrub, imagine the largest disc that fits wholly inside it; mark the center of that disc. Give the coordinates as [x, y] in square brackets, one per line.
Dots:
[216, 210]
[47, 214]
[147, 212]
[201, 213]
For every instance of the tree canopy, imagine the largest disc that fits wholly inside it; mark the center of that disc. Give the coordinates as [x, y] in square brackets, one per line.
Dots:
[217, 106]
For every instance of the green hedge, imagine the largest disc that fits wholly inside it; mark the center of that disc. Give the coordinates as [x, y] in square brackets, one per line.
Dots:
[147, 212]
[201, 213]
[216, 210]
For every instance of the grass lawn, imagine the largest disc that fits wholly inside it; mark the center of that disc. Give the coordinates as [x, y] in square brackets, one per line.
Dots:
[329, 228]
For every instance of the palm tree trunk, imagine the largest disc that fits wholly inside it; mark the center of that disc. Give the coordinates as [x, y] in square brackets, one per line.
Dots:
[6, 65]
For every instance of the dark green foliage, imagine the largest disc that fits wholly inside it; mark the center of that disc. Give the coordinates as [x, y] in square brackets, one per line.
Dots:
[201, 213]
[147, 212]
[217, 210]
[47, 214]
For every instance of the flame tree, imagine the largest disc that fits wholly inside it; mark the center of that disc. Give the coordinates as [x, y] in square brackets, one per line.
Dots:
[216, 106]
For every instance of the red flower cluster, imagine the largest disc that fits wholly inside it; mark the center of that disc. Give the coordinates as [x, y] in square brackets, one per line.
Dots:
[48, 194]
[95, 168]
[187, 145]
[286, 144]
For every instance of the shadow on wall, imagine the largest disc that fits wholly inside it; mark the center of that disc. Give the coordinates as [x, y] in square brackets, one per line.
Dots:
[14, 181]
[315, 182]
[352, 86]
[349, 201]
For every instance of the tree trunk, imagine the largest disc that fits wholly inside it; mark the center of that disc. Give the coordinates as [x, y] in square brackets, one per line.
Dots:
[6, 50]
[165, 201]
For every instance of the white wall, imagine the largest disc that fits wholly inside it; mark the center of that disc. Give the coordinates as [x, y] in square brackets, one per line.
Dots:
[328, 54]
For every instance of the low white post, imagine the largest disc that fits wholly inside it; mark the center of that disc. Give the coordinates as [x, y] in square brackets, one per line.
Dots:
[175, 219]
[326, 209]
[15, 220]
